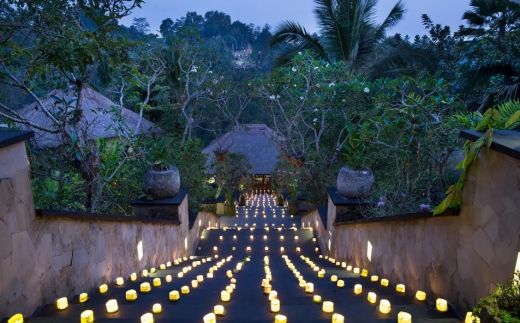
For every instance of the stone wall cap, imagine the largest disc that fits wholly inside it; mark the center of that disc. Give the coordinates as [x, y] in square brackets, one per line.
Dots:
[506, 142]
[339, 200]
[9, 137]
[96, 217]
[176, 200]
[402, 217]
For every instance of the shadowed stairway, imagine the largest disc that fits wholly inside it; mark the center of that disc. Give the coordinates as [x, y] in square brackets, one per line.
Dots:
[242, 254]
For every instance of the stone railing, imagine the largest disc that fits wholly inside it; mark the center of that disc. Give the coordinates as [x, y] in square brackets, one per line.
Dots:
[55, 254]
[461, 258]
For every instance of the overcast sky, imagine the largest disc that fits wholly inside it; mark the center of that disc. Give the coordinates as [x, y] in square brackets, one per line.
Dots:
[272, 12]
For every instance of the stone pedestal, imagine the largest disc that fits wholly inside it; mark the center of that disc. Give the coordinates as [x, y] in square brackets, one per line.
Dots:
[346, 209]
[160, 209]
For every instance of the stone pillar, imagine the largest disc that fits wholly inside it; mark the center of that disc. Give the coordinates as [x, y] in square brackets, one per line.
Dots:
[168, 209]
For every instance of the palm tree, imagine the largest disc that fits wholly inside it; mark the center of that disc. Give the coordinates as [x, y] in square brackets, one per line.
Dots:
[348, 31]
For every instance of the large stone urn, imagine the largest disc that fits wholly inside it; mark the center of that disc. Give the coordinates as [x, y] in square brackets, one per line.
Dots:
[354, 184]
[162, 184]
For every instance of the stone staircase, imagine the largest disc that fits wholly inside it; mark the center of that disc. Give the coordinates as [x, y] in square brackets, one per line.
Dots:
[245, 249]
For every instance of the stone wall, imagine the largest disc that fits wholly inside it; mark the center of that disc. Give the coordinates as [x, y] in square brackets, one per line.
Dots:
[313, 220]
[460, 258]
[204, 220]
[43, 258]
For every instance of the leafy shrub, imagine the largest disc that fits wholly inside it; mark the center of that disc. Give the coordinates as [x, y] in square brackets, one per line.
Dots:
[504, 302]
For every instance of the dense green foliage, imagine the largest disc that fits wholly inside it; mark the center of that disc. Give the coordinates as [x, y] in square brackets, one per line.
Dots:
[504, 302]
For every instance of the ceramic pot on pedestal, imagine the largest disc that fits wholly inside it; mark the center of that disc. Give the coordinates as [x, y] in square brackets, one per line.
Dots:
[354, 184]
[162, 184]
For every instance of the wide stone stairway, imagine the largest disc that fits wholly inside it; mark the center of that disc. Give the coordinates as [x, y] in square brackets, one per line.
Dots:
[262, 253]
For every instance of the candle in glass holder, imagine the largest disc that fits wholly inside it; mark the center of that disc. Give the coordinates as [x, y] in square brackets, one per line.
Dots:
[275, 305]
[162, 266]
[62, 303]
[400, 288]
[87, 316]
[403, 317]
[372, 297]
[384, 306]
[153, 270]
[168, 278]
[420, 295]
[157, 281]
[145, 287]
[333, 278]
[302, 283]
[156, 308]
[185, 290]
[321, 273]
[343, 265]
[309, 288]
[364, 273]
[384, 282]
[267, 289]
[83, 297]
[219, 310]
[209, 275]
[340, 283]
[210, 318]
[358, 289]
[174, 295]
[338, 318]
[356, 270]
[441, 305]
[180, 274]
[120, 281]
[374, 278]
[225, 296]
[273, 295]
[280, 319]
[133, 277]
[328, 307]
[131, 295]
[103, 288]
[194, 283]
[349, 268]
[112, 306]
[316, 299]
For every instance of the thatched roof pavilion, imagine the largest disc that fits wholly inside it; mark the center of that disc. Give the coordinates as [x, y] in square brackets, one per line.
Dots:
[259, 143]
[100, 117]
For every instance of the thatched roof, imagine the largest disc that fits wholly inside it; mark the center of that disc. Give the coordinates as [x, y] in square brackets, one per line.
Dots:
[100, 117]
[257, 142]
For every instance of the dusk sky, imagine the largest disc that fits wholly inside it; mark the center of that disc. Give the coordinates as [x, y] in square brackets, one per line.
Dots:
[272, 12]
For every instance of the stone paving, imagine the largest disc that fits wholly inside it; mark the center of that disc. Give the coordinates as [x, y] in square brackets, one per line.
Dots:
[261, 245]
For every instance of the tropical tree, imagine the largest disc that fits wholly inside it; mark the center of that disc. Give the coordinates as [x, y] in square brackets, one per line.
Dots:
[348, 31]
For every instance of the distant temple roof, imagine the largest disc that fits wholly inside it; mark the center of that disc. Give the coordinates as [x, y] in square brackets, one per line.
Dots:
[259, 143]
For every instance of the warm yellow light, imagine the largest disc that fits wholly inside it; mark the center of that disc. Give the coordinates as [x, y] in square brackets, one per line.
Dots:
[162, 266]
[62, 303]
[471, 319]
[180, 274]
[144, 273]
[120, 281]
[131, 295]
[157, 282]
[302, 283]
[168, 278]
[210, 318]
[338, 318]
[384, 306]
[282, 249]
[364, 273]
[341, 283]
[87, 316]
[103, 288]
[83, 297]
[309, 288]
[17, 318]
[169, 263]
[400, 288]
[372, 297]
[403, 317]
[215, 248]
[229, 289]
[266, 248]
[321, 273]
[356, 270]
[333, 278]
[358, 289]
[328, 307]
[156, 308]
[153, 270]
[174, 295]
[194, 283]
[349, 268]
[384, 282]
[209, 275]
[273, 295]
[298, 249]
[374, 278]
[145, 287]
[343, 265]
[185, 290]
[248, 248]
[441, 304]
[316, 299]
[275, 305]
[219, 310]
[420, 295]
[133, 277]
[225, 296]
[267, 289]
[147, 318]
[200, 278]
[112, 306]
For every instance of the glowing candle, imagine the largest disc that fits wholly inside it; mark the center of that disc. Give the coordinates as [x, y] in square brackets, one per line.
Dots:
[133, 277]
[384, 306]
[147, 318]
[169, 263]
[168, 278]
[273, 295]
[340, 283]
[17, 318]
[153, 270]
[185, 290]
[343, 265]
[200, 278]
[266, 248]
[180, 274]
[372, 297]
[282, 249]
[144, 273]
[302, 283]
[120, 281]
[162, 266]
[210, 318]
[338, 318]
[400, 288]
[185, 270]
[403, 317]
[349, 268]
[420, 295]
[441, 305]
[194, 283]
[87, 316]
[248, 248]
[384, 282]
[174, 295]
[471, 319]
[157, 308]
[364, 273]
[275, 305]
[83, 297]
[356, 270]
[157, 282]
[62, 303]
[131, 295]
[280, 319]
[298, 249]
[316, 299]
[229, 289]
[233, 281]
[112, 306]
[328, 307]
[267, 289]
[103, 288]
[309, 288]
[374, 278]
[333, 278]
[215, 248]
[321, 274]
[358, 289]
[145, 287]
[219, 310]
[225, 296]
